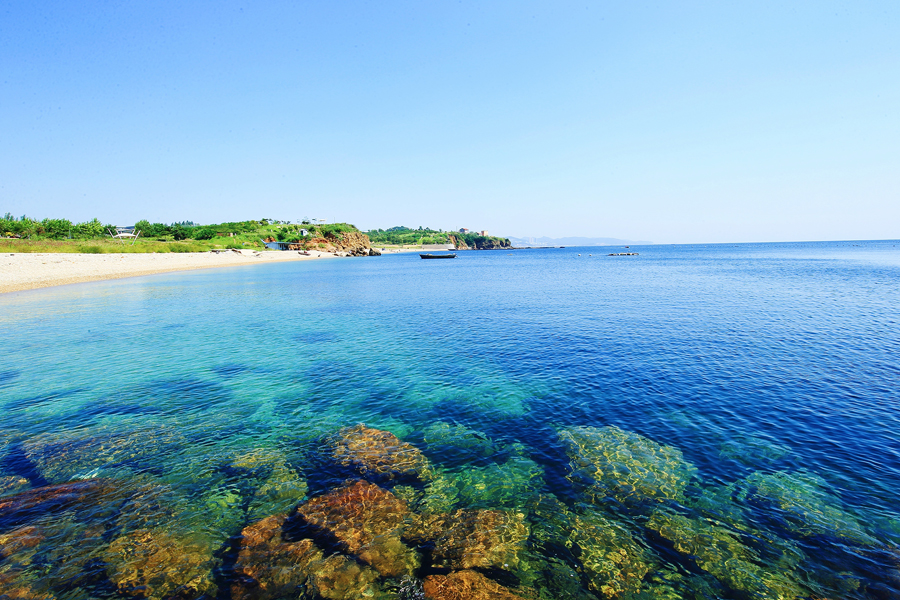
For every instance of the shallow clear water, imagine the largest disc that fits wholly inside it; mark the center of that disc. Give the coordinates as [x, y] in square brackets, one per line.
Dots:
[764, 364]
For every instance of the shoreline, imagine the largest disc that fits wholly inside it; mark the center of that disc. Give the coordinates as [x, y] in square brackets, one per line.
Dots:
[25, 271]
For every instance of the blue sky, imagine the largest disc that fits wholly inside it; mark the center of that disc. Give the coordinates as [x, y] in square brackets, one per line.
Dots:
[671, 122]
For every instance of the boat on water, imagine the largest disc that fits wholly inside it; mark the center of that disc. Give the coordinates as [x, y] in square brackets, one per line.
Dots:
[437, 255]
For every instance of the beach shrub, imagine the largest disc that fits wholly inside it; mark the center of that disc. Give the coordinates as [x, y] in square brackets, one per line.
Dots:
[88, 230]
[204, 233]
[180, 232]
[55, 229]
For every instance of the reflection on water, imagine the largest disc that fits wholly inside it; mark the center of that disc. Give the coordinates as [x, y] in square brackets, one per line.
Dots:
[694, 422]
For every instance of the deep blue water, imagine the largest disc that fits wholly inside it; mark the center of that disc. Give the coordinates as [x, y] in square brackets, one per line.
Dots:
[751, 359]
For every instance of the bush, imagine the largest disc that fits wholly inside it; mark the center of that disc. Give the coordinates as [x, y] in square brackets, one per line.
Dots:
[55, 229]
[204, 233]
[89, 230]
[91, 250]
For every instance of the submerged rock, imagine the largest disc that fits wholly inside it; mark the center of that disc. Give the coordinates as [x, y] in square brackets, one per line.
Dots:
[363, 520]
[339, 577]
[376, 454]
[510, 484]
[77, 454]
[459, 439]
[720, 552]
[609, 461]
[507, 485]
[270, 566]
[612, 561]
[94, 495]
[20, 543]
[804, 503]
[466, 585]
[15, 587]
[156, 564]
[753, 450]
[279, 487]
[466, 539]
[603, 551]
[283, 489]
[12, 483]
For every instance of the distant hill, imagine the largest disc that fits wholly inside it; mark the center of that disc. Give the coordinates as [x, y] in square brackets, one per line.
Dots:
[573, 241]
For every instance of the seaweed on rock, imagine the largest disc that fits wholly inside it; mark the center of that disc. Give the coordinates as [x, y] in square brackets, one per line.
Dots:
[75, 454]
[614, 563]
[509, 484]
[721, 552]
[466, 585]
[269, 566]
[362, 520]
[609, 461]
[377, 454]
[157, 564]
[603, 551]
[466, 539]
[805, 505]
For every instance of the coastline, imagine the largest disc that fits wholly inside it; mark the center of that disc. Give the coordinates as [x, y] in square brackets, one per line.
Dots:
[28, 271]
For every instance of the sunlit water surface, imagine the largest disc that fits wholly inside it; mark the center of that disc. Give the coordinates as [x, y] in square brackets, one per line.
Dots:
[773, 369]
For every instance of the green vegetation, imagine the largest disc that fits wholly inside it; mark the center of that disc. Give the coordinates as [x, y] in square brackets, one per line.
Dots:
[24, 234]
[404, 236]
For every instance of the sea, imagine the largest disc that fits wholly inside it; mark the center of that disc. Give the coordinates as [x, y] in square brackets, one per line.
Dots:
[693, 421]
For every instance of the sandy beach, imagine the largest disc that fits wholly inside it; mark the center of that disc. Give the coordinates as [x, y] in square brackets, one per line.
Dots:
[27, 271]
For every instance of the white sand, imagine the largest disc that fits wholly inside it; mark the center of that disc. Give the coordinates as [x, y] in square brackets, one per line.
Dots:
[27, 271]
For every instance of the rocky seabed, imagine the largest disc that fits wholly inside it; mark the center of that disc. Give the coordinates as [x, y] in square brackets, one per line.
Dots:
[639, 523]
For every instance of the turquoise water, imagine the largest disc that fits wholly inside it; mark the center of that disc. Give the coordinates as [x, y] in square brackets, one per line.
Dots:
[527, 378]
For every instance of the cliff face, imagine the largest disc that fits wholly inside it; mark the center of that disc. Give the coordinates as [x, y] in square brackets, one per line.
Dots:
[491, 243]
[479, 243]
[353, 243]
[459, 242]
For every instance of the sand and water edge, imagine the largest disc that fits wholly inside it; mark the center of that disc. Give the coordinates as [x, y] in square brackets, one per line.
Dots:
[28, 271]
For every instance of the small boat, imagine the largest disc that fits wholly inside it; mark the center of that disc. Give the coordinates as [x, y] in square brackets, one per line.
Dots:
[438, 255]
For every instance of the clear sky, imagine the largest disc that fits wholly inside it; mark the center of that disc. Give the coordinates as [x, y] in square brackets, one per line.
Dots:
[665, 121]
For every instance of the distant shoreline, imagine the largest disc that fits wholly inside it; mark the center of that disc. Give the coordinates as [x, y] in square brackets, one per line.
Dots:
[28, 271]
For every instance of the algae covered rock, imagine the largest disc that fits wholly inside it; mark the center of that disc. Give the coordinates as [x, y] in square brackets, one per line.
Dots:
[466, 585]
[15, 586]
[610, 558]
[609, 461]
[376, 454]
[339, 577]
[803, 501]
[721, 552]
[156, 564]
[271, 564]
[510, 484]
[20, 543]
[506, 485]
[91, 496]
[283, 489]
[82, 453]
[364, 521]
[753, 450]
[12, 483]
[267, 565]
[458, 442]
[466, 539]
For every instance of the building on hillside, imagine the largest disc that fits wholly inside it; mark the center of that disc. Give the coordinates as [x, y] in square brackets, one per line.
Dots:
[484, 233]
[464, 230]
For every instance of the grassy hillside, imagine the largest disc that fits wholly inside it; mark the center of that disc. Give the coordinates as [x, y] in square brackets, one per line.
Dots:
[61, 235]
[405, 236]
